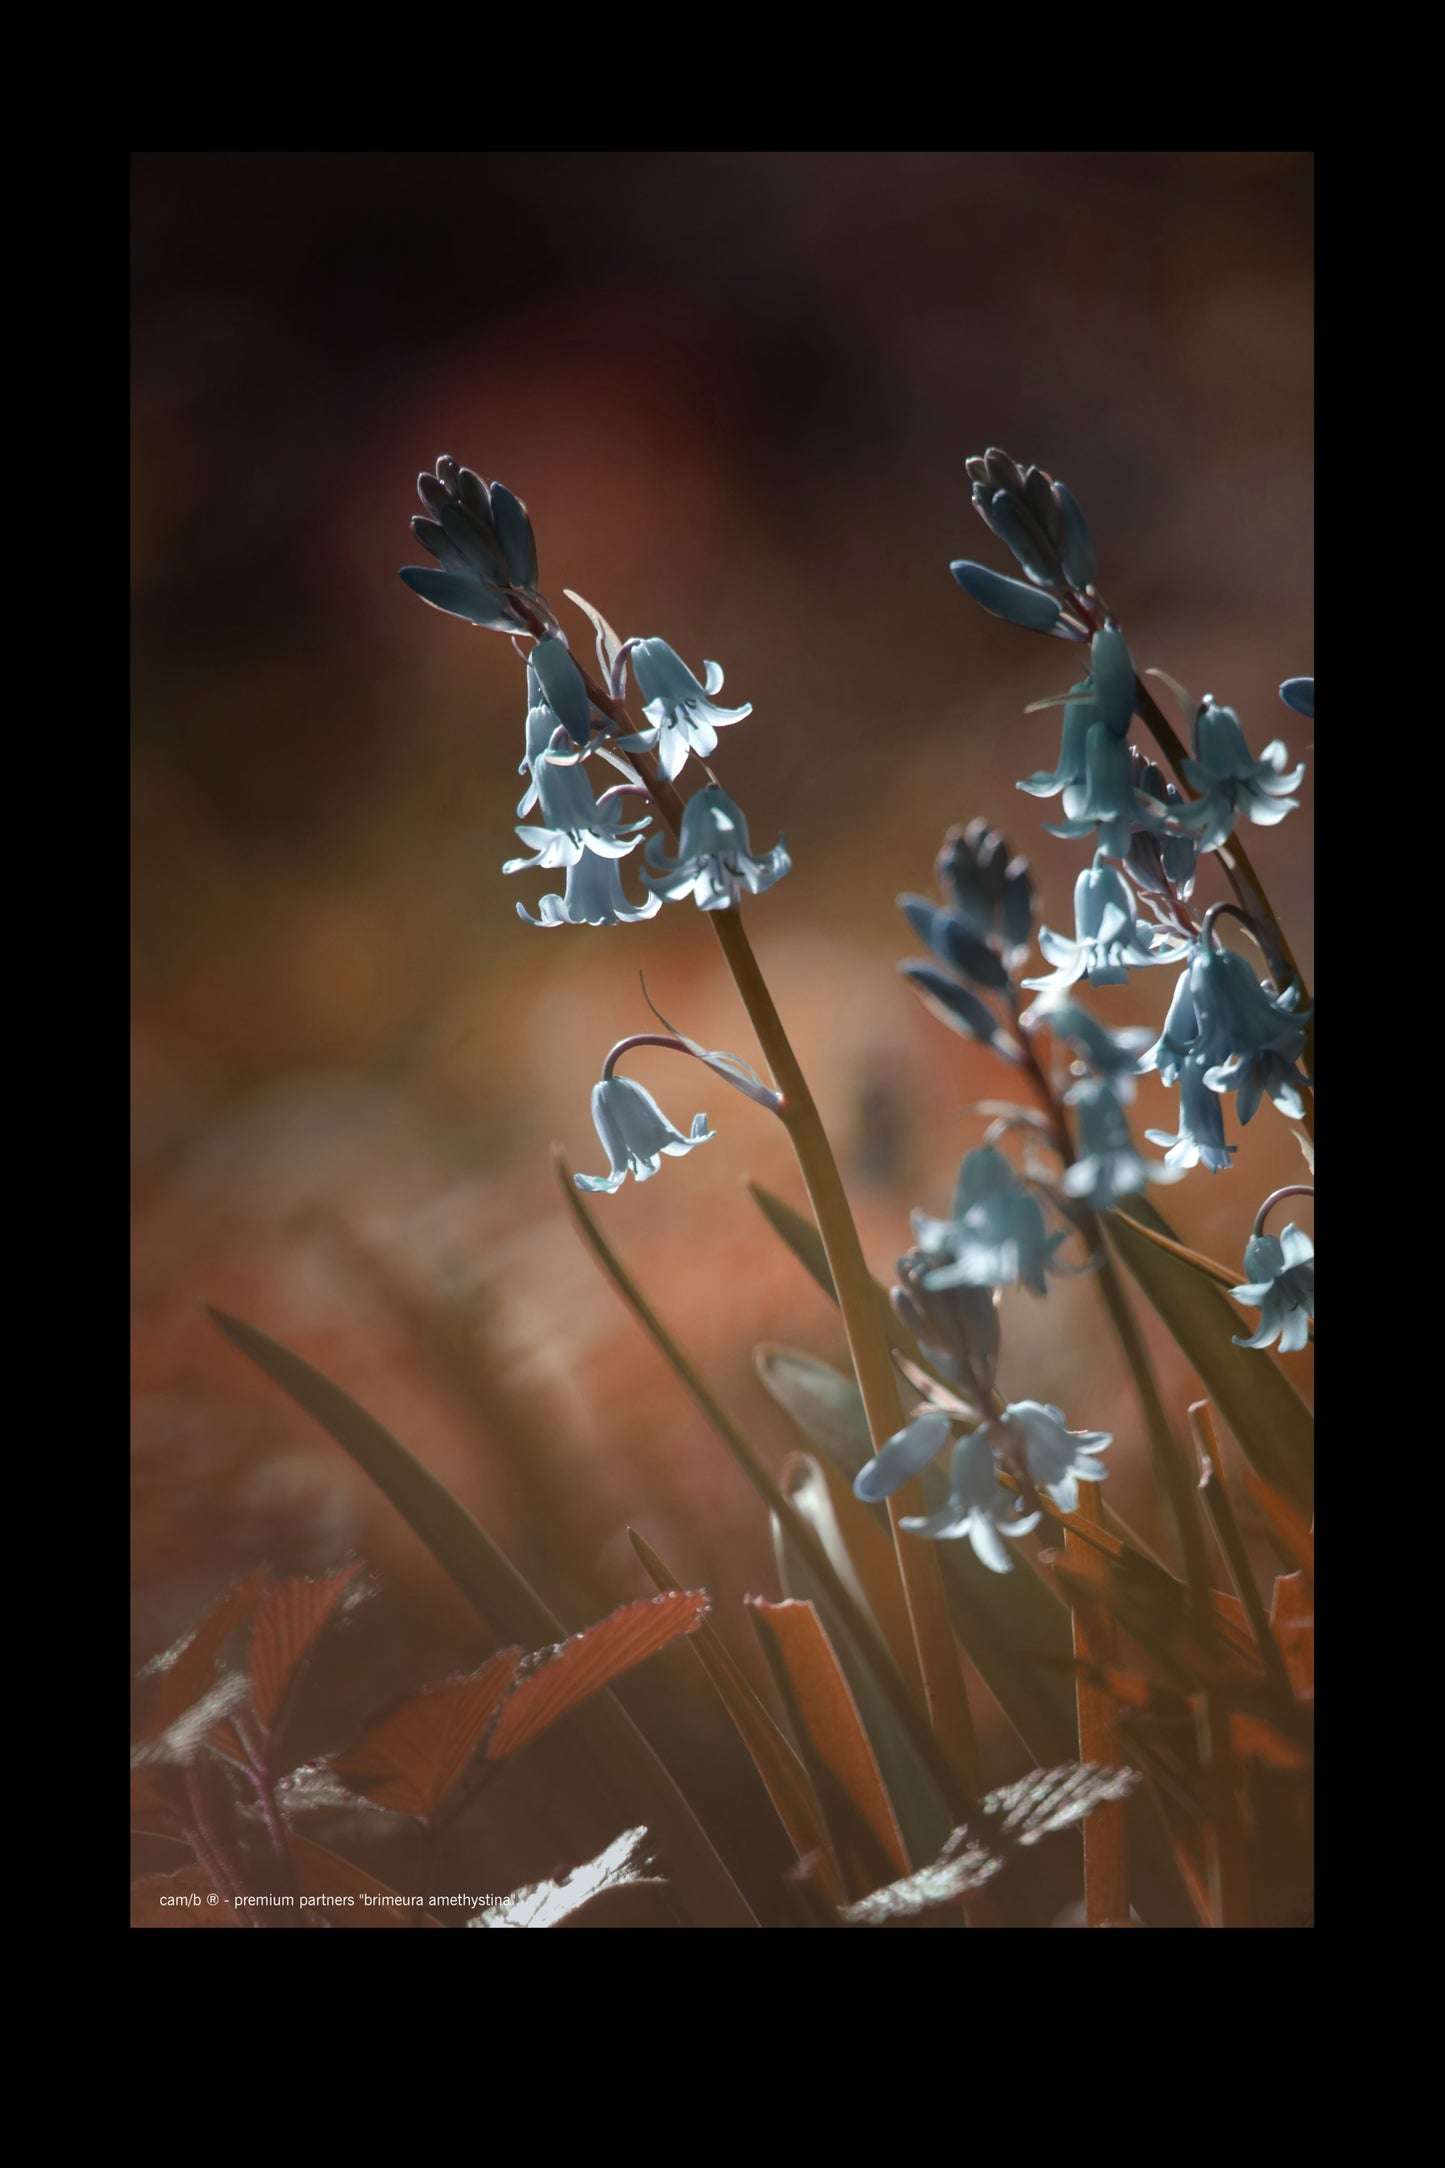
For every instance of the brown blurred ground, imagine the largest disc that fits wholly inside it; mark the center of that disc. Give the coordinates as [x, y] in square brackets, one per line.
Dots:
[737, 391]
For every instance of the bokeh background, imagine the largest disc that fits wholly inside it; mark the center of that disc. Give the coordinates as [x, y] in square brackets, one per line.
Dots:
[736, 391]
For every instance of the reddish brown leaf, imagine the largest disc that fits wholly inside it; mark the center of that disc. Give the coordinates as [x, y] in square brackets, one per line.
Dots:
[189, 1669]
[348, 1895]
[187, 1898]
[291, 1615]
[789, 1786]
[823, 1703]
[411, 1758]
[589, 1661]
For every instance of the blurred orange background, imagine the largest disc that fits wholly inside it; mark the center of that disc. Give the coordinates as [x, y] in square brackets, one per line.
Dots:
[736, 391]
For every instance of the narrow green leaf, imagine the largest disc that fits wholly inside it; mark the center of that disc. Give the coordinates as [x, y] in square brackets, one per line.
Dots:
[1253, 1396]
[826, 1406]
[493, 1586]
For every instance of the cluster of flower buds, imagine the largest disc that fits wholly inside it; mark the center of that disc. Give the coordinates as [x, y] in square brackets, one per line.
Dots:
[1039, 520]
[482, 537]
[981, 935]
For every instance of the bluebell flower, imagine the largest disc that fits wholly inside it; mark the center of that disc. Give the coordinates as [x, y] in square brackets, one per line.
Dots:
[906, 1454]
[1080, 716]
[1178, 1039]
[1160, 863]
[1105, 803]
[956, 1327]
[978, 1506]
[1110, 938]
[1112, 1055]
[1231, 781]
[714, 861]
[483, 539]
[997, 1235]
[1299, 694]
[572, 820]
[1033, 1439]
[635, 1134]
[593, 897]
[1281, 1287]
[1249, 1038]
[683, 715]
[1108, 1166]
[1199, 1140]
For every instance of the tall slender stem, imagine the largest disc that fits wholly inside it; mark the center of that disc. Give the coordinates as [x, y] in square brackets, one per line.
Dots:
[939, 1672]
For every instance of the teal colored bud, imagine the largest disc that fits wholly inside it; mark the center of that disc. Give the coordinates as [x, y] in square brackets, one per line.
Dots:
[906, 1455]
[1016, 525]
[958, 1007]
[1111, 668]
[635, 1134]
[954, 942]
[514, 532]
[563, 688]
[1299, 694]
[1077, 544]
[460, 530]
[1020, 604]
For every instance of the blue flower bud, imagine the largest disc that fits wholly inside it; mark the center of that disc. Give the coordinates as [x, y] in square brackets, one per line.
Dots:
[1020, 604]
[1077, 548]
[1299, 694]
[563, 687]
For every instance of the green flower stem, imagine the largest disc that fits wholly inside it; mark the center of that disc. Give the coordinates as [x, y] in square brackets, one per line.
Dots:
[939, 1673]
[918, 1564]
